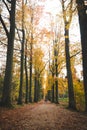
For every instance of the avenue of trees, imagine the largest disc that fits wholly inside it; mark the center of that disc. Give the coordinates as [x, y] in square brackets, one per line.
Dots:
[28, 74]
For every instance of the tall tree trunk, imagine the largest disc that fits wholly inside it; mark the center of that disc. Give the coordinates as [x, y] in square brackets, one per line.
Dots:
[30, 89]
[31, 47]
[67, 16]
[22, 59]
[53, 88]
[72, 103]
[38, 88]
[53, 72]
[56, 71]
[21, 71]
[26, 75]
[6, 96]
[35, 87]
[56, 82]
[82, 13]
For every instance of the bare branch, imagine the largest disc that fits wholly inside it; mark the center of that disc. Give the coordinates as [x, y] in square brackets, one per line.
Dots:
[75, 54]
[9, 1]
[18, 33]
[44, 67]
[4, 26]
[6, 6]
[2, 43]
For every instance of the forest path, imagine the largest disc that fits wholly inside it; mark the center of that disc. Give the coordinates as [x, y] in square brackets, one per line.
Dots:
[42, 116]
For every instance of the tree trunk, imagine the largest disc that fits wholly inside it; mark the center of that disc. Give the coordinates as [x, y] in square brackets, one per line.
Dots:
[6, 96]
[53, 89]
[35, 87]
[26, 75]
[30, 89]
[72, 103]
[83, 30]
[22, 58]
[38, 88]
[56, 72]
[31, 46]
[56, 82]
[21, 70]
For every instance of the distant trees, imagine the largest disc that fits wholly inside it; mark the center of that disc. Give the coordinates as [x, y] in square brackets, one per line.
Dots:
[56, 59]
[23, 32]
[27, 32]
[22, 24]
[39, 68]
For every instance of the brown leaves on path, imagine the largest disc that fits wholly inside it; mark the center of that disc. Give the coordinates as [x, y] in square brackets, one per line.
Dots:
[42, 116]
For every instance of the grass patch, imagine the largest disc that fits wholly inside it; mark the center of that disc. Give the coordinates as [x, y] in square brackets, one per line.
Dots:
[63, 101]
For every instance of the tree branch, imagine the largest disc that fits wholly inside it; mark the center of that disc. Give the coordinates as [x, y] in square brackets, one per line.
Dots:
[75, 54]
[2, 43]
[18, 33]
[6, 6]
[9, 1]
[4, 26]
[44, 67]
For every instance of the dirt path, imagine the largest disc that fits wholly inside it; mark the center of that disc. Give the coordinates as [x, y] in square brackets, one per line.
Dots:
[42, 116]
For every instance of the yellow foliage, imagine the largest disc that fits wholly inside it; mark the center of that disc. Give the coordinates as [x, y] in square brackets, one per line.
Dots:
[79, 95]
[62, 85]
[50, 82]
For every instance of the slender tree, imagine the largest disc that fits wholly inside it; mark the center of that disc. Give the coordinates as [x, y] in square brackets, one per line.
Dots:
[31, 49]
[52, 69]
[53, 88]
[26, 75]
[67, 15]
[22, 58]
[30, 85]
[35, 87]
[82, 13]
[39, 67]
[56, 70]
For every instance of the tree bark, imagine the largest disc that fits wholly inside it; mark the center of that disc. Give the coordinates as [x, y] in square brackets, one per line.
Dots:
[31, 47]
[6, 96]
[38, 88]
[26, 75]
[56, 83]
[56, 72]
[35, 87]
[21, 71]
[53, 89]
[30, 89]
[82, 8]
[72, 103]
[22, 59]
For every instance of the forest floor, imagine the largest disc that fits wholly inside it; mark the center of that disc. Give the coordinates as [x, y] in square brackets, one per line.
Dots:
[42, 116]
